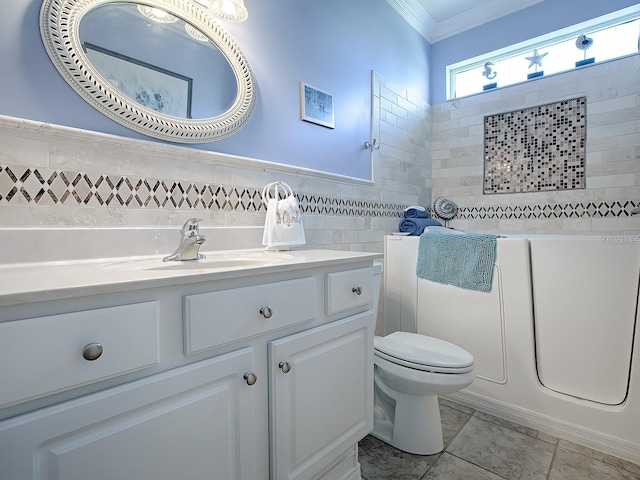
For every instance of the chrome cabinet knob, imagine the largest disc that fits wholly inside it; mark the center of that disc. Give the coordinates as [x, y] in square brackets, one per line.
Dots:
[92, 351]
[357, 290]
[266, 312]
[251, 378]
[285, 367]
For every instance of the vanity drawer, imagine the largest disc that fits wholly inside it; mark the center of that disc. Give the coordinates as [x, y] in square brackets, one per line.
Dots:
[216, 318]
[44, 355]
[349, 289]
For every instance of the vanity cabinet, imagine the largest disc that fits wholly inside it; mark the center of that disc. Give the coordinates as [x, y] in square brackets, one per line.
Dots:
[218, 318]
[190, 423]
[262, 377]
[319, 387]
[50, 351]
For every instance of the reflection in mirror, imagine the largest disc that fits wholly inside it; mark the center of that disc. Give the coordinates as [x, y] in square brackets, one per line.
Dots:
[158, 64]
[164, 68]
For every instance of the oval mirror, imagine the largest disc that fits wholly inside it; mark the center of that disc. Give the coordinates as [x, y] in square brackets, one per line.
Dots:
[164, 68]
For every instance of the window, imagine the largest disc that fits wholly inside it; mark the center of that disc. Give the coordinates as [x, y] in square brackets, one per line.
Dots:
[614, 36]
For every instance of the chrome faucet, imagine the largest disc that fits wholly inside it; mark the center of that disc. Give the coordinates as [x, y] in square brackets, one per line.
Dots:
[190, 242]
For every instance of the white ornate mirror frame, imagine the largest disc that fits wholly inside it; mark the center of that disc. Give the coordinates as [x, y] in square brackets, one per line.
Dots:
[59, 27]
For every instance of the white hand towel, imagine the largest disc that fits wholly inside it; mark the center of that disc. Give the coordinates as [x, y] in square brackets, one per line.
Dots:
[283, 223]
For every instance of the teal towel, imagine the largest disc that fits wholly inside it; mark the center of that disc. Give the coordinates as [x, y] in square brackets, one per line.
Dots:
[464, 260]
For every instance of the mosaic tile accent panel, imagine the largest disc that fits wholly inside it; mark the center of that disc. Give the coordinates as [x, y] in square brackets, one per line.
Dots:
[536, 149]
[33, 186]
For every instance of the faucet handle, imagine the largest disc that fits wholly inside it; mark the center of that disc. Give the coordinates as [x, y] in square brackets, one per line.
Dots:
[191, 227]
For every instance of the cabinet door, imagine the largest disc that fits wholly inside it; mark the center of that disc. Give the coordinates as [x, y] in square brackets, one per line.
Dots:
[320, 395]
[193, 422]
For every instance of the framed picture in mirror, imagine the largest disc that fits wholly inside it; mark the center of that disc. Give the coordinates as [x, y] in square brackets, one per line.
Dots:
[150, 86]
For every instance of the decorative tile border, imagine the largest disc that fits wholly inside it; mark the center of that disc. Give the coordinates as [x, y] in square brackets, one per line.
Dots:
[567, 210]
[33, 186]
[536, 149]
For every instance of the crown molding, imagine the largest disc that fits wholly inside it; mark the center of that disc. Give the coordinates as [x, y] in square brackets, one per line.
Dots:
[419, 18]
[416, 16]
[479, 16]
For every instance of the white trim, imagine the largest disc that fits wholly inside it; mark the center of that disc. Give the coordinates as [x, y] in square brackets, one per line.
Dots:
[416, 16]
[35, 129]
[421, 20]
[374, 159]
[478, 16]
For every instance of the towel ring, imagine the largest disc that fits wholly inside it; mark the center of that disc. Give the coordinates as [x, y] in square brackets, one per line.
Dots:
[271, 191]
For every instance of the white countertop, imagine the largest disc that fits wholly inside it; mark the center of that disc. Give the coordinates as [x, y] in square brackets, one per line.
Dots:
[22, 283]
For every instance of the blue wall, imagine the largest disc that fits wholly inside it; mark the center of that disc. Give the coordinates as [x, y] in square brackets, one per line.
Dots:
[544, 17]
[333, 44]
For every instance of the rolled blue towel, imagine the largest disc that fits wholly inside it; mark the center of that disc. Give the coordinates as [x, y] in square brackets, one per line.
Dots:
[415, 213]
[415, 226]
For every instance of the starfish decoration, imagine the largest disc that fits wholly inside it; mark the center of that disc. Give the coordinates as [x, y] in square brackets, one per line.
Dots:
[536, 59]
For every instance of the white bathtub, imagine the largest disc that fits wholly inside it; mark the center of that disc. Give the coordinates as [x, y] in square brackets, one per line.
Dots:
[553, 341]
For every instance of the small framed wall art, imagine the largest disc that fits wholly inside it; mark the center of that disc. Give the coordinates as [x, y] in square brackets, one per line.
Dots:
[316, 106]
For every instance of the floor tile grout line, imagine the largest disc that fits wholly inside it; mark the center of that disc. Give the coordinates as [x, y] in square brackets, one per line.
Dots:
[476, 465]
[465, 415]
[553, 458]
[488, 420]
[602, 461]
[458, 432]
[555, 442]
[444, 450]
[431, 466]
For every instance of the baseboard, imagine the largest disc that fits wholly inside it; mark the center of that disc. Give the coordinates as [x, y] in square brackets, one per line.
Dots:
[553, 426]
[346, 467]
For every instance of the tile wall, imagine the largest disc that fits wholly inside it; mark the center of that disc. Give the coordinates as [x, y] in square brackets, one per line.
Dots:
[612, 189]
[57, 176]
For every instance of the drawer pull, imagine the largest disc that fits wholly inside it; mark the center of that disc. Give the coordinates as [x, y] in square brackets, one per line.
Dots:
[251, 378]
[266, 312]
[92, 351]
[285, 367]
[357, 290]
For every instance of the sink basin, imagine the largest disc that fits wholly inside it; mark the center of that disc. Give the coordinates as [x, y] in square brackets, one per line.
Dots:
[214, 260]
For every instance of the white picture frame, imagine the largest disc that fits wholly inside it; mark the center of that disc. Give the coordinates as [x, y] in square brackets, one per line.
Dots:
[316, 106]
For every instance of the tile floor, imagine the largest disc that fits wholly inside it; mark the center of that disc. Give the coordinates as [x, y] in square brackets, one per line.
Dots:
[484, 447]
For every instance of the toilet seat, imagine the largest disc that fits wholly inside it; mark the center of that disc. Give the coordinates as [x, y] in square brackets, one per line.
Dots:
[424, 353]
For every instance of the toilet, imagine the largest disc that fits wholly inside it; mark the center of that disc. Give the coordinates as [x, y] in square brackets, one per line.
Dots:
[410, 371]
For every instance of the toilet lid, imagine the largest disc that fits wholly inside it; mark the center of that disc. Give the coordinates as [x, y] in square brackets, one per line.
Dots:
[423, 351]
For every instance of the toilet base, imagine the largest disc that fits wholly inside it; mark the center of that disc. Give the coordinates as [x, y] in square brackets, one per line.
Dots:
[412, 425]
